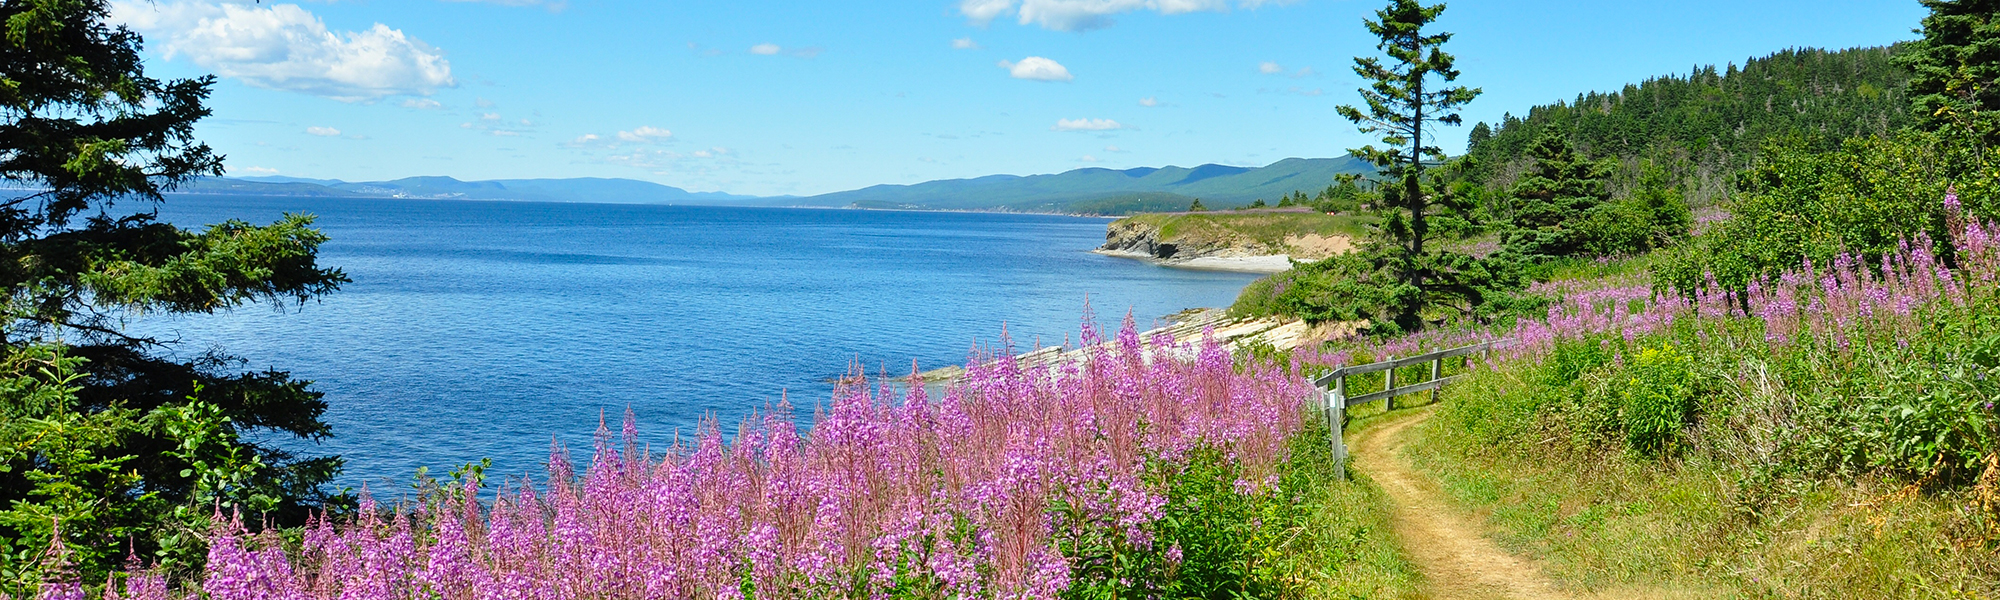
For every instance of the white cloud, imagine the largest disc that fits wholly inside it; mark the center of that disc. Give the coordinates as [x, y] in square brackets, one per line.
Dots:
[422, 103]
[1113, 149]
[1305, 72]
[1036, 68]
[1149, 101]
[964, 43]
[1086, 125]
[585, 140]
[1088, 158]
[765, 49]
[285, 47]
[260, 170]
[489, 117]
[645, 135]
[1084, 15]
[323, 131]
[1270, 68]
[483, 103]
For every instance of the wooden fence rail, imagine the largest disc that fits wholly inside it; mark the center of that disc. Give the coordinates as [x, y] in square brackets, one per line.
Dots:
[1333, 401]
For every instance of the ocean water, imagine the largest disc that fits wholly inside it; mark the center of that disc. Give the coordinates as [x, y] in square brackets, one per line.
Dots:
[491, 329]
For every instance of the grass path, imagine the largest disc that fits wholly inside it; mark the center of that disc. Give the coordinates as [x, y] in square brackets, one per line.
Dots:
[1451, 550]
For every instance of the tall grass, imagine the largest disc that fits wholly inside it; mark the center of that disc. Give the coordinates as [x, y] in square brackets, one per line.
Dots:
[1826, 433]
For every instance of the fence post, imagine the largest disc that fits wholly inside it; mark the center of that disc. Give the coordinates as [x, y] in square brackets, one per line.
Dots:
[1336, 410]
[1389, 383]
[1437, 368]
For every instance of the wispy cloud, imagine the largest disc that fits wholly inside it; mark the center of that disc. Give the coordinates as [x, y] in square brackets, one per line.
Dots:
[1270, 68]
[645, 134]
[552, 5]
[323, 131]
[1036, 68]
[964, 43]
[422, 103]
[1086, 125]
[1085, 15]
[285, 47]
[766, 49]
[1150, 102]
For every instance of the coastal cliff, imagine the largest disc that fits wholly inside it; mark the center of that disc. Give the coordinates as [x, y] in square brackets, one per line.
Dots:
[1254, 240]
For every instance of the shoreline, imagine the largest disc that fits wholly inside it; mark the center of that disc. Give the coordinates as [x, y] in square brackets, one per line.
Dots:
[1265, 264]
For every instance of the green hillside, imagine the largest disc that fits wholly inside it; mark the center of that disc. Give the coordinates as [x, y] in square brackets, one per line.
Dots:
[1106, 191]
[1711, 122]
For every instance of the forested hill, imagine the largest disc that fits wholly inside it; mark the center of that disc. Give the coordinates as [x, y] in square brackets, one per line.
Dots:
[1711, 122]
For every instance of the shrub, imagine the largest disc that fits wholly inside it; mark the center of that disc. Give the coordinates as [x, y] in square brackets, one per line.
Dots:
[1658, 400]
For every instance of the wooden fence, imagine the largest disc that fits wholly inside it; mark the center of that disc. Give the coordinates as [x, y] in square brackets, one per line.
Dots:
[1333, 401]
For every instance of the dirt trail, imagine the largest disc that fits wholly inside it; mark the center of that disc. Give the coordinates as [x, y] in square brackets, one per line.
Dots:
[1452, 551]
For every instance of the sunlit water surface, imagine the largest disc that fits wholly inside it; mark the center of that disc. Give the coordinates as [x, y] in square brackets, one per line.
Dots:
[488, 329]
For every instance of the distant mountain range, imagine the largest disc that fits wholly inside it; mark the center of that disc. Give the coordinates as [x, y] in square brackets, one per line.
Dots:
[586, 189]
[1085, 191]
[1105, 191]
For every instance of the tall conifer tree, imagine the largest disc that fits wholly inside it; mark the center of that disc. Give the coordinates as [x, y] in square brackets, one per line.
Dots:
[1409, 94]
[113, 437]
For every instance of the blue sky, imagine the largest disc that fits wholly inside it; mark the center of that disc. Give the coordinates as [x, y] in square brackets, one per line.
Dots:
[762, 97]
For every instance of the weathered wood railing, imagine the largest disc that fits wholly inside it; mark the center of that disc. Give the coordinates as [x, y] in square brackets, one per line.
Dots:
[1334, 400]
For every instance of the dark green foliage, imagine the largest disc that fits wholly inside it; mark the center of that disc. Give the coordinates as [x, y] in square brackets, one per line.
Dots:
[1955, 69]
[1402, 103]
[1705, 125]
[1865, 198]
[105, 435]
[1259, 203]
[1552, 202]
[1196, 206]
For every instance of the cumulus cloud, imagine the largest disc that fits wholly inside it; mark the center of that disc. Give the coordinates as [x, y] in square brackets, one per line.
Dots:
[1084, 15]
[285, 47]
[1086, 125]
[765, 49]
[1149, 102]
[1036, 68]
[323, 131]
[964, 43]
[1270, 68]
[1088, 158]
[422, 103]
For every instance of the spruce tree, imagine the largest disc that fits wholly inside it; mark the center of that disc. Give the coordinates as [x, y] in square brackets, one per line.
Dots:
[112, 437]
[1554, 198]
[1408, 94]
[1955, 81]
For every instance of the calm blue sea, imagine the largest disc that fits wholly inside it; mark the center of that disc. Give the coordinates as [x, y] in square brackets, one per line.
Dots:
[487, 329]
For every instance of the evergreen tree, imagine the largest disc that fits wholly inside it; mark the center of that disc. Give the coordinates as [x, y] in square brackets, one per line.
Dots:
[1955, 69]
[1196, 206]
[1402, 103]
[110, 437]
[1553, 199]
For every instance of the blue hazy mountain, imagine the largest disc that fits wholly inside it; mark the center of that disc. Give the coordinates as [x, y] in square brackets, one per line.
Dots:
[1106, 191]
[585, 189]
[1090, 190]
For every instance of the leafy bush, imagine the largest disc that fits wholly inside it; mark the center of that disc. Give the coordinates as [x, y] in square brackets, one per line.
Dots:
[1866, 199]
[1658, 400]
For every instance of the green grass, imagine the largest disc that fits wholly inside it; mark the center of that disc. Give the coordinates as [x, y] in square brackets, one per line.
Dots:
[1346, 548]
[1266, 228]
[1705, 525]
